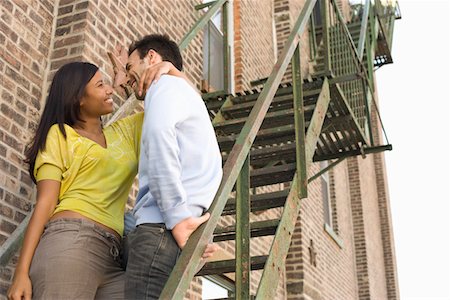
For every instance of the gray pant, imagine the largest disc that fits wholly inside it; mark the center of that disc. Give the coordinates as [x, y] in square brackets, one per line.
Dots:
[152, 254]
[77, 259]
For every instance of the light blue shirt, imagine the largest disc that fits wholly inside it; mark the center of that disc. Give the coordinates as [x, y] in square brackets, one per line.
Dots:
[180, 165]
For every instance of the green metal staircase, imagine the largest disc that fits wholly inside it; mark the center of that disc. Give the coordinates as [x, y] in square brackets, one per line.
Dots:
[271, 135]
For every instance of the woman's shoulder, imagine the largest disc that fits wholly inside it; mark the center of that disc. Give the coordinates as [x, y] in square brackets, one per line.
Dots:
[132, 120]
[55, 131]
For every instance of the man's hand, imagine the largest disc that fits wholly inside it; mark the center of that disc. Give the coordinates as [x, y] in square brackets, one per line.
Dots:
[183, 230]
[209, 251]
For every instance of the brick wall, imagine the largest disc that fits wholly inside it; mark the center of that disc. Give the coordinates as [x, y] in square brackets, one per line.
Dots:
[332, 276]
[37, 38]
[254, 48]
[286, 13]
[25, 45]
[364, 268]
[384, 209]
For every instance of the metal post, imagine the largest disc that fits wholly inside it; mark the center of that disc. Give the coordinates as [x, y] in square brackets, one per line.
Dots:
[226, 48]
[363, 31]
[326, 36]
[282, 240]
[243, 270]
[299, 119]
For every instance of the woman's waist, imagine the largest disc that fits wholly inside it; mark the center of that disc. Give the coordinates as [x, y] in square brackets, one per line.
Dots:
[69, 214]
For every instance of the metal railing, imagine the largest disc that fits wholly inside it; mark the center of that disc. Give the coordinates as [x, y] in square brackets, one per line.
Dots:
[344, 62]
[387, 13]
[187, 265]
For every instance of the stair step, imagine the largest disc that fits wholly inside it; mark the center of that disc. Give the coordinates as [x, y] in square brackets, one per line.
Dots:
[280, 102]
[274, 118]
[271, 120]
[272, 175]
[229, 266]
[259, 202]
[277, 135]
[257, 229]
[252, 297]
[261, 156]
[283, 152]
[286, 89]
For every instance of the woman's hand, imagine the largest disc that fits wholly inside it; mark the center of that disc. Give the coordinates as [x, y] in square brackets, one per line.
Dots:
[154, 72]
[20, 288]
[47, 197]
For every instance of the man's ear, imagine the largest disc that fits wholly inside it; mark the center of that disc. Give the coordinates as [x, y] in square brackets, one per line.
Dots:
[153, 57]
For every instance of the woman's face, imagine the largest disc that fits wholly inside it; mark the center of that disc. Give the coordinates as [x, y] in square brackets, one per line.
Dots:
[97, 100]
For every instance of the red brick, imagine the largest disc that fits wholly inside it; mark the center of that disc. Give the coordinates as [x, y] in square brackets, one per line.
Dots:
[63, 10]
[11, 114]
[6, 211]
[18, 202]
[8, 32]
[68, 41]
[7, 227]
[10, 59]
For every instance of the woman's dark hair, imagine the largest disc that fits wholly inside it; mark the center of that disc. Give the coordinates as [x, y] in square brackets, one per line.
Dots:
[62, 105]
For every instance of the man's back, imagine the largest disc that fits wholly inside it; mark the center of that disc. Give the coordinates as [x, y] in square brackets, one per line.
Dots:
[180, 166]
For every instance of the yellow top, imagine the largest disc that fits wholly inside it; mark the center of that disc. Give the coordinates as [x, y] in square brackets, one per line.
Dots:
[95, 181]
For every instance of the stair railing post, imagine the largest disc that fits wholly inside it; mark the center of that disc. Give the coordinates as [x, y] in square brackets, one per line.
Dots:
[370, 46]
[326, 35]
[242, 253]
[226, 48]
[363, 30]
[368, 102]
[299, 119]
[283, 236]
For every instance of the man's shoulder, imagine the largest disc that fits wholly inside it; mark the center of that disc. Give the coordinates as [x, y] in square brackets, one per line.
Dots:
[171, 80]
[168, 85]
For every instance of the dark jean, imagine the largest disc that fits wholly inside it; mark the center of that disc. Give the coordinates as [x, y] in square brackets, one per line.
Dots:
[152, 253]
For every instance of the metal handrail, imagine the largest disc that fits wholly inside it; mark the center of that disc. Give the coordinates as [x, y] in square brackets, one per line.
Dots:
[363, 71]
[189, 260]
[386, 15]
[363, 30]
[200, 24]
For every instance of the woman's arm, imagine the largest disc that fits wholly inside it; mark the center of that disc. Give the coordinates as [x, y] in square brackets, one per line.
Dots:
[154, 72]
[47, 197]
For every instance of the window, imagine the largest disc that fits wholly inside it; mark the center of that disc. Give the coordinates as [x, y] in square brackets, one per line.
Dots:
[213, 53]
[326, 197]
[212, 290]
[329, 203]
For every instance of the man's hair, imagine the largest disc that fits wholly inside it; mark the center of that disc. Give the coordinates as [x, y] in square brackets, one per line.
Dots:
[162, 44]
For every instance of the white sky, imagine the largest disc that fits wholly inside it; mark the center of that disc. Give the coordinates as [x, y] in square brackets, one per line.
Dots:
[414, 99]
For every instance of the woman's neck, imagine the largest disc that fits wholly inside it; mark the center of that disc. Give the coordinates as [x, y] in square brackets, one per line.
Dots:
[92, 125]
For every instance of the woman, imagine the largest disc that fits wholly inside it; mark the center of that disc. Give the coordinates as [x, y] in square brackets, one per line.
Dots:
[83, 173]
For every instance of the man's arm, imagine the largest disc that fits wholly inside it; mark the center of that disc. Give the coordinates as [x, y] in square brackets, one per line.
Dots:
[166, 109]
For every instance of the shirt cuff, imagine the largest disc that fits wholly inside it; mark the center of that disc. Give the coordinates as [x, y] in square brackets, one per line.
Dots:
[48, 171]
[175, 215]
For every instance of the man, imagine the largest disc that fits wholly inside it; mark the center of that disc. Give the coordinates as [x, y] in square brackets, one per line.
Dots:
[180, 169]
